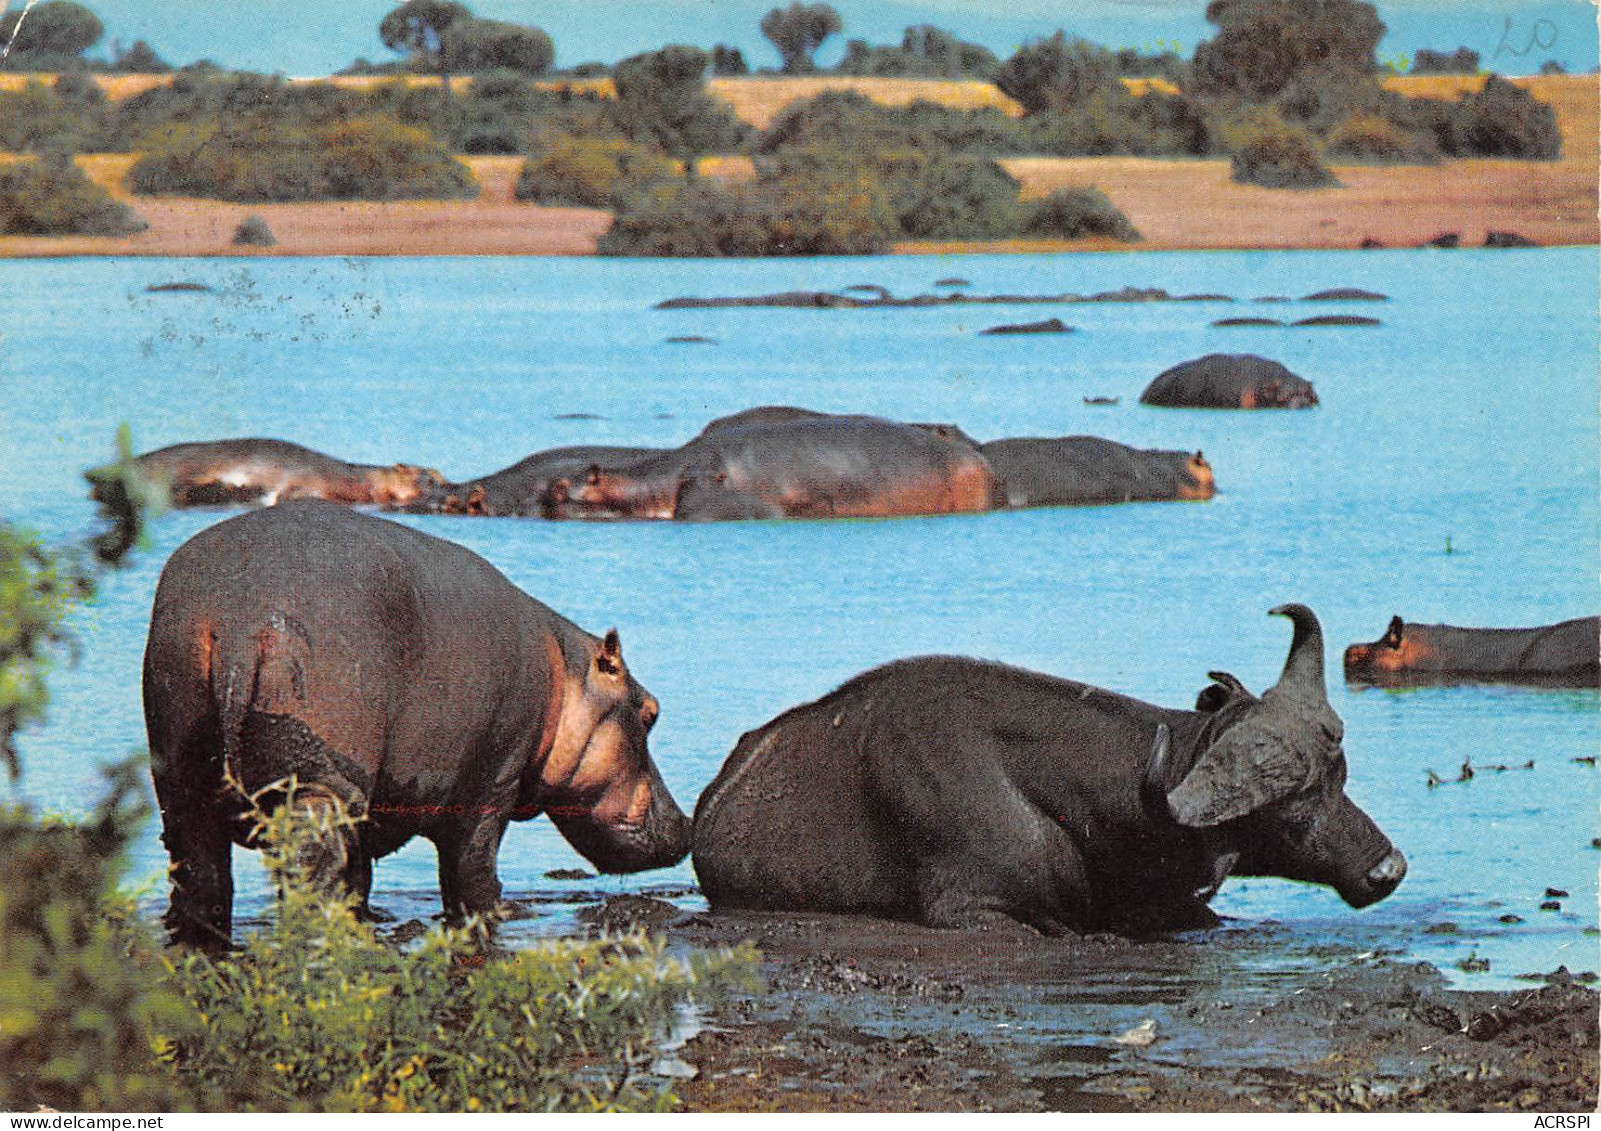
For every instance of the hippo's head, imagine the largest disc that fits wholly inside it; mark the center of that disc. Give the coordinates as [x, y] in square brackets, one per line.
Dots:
[1390, 654]
[402, 483]
[1267, 780]
[599, 493]
[1195, 480]
[598, 783]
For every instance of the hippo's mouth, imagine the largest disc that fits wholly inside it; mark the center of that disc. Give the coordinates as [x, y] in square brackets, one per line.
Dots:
[1377, 882]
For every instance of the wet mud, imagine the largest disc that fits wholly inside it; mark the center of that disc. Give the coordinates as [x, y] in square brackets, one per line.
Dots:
[862, 1015]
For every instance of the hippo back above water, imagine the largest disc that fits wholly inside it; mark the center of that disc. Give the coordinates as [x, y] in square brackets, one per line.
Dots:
[1083, 470]
[256, 471]
[399, 675]
[1222, 380]
[1555, 655]
[957, 793]
[792, 464]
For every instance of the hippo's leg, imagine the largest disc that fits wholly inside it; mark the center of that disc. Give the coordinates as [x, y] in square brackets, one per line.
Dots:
[196, 833]
[468, 881]
[358, 879]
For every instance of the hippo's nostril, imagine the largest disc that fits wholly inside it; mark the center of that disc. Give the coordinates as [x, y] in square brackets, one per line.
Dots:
[1388, 872]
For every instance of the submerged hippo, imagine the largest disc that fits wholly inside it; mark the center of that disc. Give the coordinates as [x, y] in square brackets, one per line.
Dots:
[955, 793]
[239, 472]
[1558, 655]
[403, 676]
[523, 489]
[790, 463]
[1077, 470]
[1224, 380]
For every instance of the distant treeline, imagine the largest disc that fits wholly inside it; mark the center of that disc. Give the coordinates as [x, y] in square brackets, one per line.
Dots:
[1283, 87]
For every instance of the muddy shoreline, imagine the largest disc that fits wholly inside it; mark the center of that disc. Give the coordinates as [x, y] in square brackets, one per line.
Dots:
[860, 1015]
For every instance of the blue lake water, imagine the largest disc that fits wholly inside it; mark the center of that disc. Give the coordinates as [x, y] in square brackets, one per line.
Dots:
[1468, 419]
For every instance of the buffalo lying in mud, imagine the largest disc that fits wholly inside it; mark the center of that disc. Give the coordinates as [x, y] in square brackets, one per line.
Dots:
[233, 472]
[400, 676]
[959, 793]
[1554, 655]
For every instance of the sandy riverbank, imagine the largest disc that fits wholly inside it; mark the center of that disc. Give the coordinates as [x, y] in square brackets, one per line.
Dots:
[1176, 205]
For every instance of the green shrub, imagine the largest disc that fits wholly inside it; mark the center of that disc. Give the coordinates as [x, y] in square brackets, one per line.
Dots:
[1274, 155]
[1462, 61]
[1502, 120]
[70, 116]
[52, 197]
[839, 117]
[1368, 137]
[1078, 213]
[1057, 73]
[254, 232]
[316, 1013]
[585, 171]
[258, 158]
[810, 214]
[925, 52]
[1112, 121]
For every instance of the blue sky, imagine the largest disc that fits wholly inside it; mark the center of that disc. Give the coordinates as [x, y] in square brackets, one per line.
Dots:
[304, 37]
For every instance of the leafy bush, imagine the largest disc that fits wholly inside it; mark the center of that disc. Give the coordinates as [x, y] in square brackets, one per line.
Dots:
[584, 171]
[1057, 73]
[258, 158]
[834, 116]
[1462, 61]
[316, 1013]
[803, 214]
[1078, 213]
[52, 197]
[1501, 120]
[1274, 155]
[1113, 122]
[69, 116]
[927, 195]
[1368, 137]
[924, 51]
[1262, 45]
[254, 232]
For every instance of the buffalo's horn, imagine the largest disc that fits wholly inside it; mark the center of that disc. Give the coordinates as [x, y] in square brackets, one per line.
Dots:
[1302, 678]
[1153, 788]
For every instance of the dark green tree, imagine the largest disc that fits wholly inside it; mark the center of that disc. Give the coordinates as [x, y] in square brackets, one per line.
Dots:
[1262, 45]
[56, 27]
[1462, 61]
[419, 27]
[798, 31]
[1058, 74]
[140, 59]
[728, 61]
[924, 51]
[662, 101]
[472, 46]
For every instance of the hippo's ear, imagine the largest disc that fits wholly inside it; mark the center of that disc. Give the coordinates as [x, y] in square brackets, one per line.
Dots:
[610, 657]
[1393, 634]
[593, 474]
[1247, 768]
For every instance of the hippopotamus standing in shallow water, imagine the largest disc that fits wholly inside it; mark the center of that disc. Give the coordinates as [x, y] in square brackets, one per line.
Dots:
[799, 465]
[234, 472]
[401, 675]
[1556, 655]
[957, 793]
[1079, 470]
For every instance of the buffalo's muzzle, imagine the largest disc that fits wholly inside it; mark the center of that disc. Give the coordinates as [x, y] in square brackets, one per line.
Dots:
[1381, 880]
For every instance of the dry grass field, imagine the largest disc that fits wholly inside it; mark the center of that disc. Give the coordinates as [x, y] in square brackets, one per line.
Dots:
[1175, 204]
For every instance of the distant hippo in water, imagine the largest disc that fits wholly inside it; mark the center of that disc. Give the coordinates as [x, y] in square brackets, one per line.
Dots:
[402, 676]
[523, 488]
[1080, 470]
[794, 464]
[1221, 380]
[959, 793]
[241, 472]
[1557, 655]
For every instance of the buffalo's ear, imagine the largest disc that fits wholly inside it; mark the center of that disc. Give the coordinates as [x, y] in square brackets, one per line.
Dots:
[1245, 769]
[610, 657]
